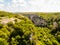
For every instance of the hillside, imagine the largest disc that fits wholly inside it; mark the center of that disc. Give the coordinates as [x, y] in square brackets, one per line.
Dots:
[29, 28]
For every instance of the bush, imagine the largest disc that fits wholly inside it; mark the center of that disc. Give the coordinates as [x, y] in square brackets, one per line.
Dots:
[3, 42]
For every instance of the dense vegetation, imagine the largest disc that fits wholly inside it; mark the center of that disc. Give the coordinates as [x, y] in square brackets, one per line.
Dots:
[19, 29]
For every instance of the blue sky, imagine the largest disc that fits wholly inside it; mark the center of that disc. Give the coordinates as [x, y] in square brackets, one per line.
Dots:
[30, 5]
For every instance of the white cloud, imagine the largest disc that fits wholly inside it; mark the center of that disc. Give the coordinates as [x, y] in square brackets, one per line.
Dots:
[1, 0]
[33, 5]
[1, 6]
[19, 2]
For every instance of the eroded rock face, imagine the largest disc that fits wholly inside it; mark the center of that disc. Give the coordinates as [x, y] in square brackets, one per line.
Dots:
[5, 20]
[38, 21]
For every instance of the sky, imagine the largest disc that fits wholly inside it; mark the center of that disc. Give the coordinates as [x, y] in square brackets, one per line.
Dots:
[30, 5]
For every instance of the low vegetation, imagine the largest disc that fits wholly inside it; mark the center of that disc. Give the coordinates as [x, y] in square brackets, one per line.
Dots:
[26, 29]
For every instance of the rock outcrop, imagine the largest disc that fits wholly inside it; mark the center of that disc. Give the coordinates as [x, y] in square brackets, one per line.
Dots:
[38, 21]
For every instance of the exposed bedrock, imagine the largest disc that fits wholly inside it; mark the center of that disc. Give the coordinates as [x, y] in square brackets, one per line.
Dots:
[37, 20]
